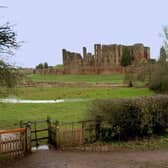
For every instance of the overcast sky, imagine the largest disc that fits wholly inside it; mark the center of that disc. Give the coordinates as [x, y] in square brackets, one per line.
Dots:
[47, 26]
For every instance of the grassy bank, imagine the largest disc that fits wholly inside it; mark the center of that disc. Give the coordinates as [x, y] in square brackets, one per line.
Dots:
[113, 78]
[68, 92]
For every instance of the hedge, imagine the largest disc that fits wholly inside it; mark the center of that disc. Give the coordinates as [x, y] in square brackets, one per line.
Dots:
[133, 117]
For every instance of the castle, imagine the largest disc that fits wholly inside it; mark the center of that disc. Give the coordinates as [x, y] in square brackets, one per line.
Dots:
[105, 60]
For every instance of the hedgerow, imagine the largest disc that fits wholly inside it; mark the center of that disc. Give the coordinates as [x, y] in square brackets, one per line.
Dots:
[133, 117]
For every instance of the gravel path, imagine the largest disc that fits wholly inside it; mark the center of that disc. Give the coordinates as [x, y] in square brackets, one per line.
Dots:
[58, 159]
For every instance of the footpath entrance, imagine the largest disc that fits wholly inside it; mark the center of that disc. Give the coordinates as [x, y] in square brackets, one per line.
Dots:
[42, 132]
[60, 134]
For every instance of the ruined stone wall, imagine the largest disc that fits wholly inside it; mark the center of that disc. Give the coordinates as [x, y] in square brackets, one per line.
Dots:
[71, 58]
[106, 59]
[49, 71]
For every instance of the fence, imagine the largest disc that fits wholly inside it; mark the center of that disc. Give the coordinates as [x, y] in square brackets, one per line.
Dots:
[13, 142]
[60, 134]
[84, 133]
[68, 134]
[41, 132]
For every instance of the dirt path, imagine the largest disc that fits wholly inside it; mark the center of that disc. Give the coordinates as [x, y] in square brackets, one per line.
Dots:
[57, 159]
[72, 84]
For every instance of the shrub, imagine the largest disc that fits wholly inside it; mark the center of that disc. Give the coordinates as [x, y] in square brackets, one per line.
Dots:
[9, 75]
[159, 78]
[137, 117]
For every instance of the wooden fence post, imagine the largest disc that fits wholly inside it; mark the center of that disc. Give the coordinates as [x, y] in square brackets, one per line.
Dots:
[35, 133]
[49, 130]
[21, 124]
[56, 134]
[1, 147]
[28, 137]
[83, 132]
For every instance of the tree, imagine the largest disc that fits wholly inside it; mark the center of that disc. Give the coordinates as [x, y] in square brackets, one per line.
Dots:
[158, 76]
[8, 41]
[45, 65]
[40, 66]
[163, 55]
[152, 61]
[126, 57]
[164, 35]
[155, 73]
[8, 74]
[129, 77]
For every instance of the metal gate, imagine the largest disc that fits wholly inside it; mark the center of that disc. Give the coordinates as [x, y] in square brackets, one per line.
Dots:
[42, 131]
[61, 134]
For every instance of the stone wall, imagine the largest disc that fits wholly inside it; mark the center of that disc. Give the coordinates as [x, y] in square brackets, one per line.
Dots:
[105, 60]
[49, 71]
[71, 58]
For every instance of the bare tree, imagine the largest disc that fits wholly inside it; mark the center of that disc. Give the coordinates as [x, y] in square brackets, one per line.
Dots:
[8, 44]
[164, 35]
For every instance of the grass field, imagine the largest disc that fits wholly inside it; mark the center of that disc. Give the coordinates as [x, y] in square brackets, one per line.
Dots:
[11, 114]
[77, 92]
[114, 78]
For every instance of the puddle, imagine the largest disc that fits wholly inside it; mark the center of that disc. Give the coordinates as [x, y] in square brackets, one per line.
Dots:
[14, 100]
[41, 147]
[11, 100]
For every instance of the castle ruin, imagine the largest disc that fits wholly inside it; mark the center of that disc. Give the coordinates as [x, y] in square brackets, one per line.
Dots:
[105, 60]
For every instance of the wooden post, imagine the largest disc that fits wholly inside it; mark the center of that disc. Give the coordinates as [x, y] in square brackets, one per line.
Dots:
[72, 134]
[56, 134]
[83, 131]
[35, 132]
[1, 146]
[49, 130]
[28, 137]
[21, 124]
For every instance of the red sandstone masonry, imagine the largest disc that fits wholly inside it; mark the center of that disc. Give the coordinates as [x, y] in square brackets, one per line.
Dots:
[105, 60]
[83, 70]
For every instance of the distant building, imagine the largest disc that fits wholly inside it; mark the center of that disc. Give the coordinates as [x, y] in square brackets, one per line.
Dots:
[106, 59]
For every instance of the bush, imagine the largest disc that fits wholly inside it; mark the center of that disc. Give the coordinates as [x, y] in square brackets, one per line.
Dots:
[9, 75]
[154, 75]
[137, 117]
[159, 78]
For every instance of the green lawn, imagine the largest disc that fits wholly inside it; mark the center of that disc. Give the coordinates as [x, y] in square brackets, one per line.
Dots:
[70, 92]
[11, 114]
[113, 78]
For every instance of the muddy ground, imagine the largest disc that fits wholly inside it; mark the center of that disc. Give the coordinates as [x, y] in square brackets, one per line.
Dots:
[58, 159]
